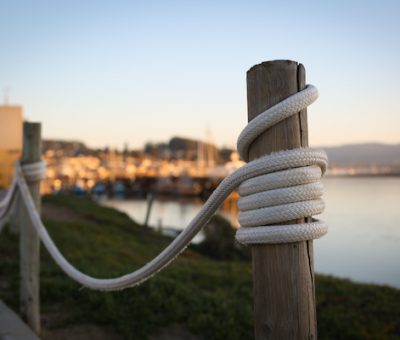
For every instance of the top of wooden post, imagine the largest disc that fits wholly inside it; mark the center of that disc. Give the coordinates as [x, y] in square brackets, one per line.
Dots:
[268, 83]
[32, 145]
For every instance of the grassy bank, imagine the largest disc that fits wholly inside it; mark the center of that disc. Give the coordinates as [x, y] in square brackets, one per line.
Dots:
[196, 295]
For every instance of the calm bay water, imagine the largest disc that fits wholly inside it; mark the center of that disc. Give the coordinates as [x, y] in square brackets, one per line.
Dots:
[363, 242]
[363, 215]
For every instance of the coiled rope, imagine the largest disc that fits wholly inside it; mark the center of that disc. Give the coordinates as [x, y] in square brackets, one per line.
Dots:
[279, 187]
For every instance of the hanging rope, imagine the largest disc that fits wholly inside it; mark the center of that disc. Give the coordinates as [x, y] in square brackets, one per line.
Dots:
[275, 188]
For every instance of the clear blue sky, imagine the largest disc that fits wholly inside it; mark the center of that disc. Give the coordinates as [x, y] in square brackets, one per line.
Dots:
[109, 72]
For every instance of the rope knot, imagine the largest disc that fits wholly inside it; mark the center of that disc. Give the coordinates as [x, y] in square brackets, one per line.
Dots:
[34, 172]
[288, 191]
[277, 197]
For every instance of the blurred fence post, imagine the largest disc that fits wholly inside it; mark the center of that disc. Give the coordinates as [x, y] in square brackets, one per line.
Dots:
[29, 240]
[150, 200]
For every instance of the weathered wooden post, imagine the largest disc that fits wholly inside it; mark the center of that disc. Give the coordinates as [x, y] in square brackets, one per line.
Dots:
[283, 274]
[29, 240]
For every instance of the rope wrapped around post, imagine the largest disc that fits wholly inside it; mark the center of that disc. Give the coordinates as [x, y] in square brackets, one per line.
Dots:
[274, 188]
[284, 195]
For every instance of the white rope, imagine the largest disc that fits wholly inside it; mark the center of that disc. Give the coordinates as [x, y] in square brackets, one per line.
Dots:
[7, 205]
[275, 188]
[34, 172]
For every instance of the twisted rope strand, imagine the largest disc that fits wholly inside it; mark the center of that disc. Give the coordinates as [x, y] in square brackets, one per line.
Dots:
[8, 203]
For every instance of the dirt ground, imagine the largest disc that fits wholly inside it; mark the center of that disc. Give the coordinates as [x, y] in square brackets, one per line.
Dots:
[93, 332]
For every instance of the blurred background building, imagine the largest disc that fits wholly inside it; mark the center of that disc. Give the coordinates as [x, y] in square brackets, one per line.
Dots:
[10, 141]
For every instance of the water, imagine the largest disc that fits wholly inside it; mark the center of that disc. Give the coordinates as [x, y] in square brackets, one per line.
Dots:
[170, 213]
[363, 242]
[363, 215]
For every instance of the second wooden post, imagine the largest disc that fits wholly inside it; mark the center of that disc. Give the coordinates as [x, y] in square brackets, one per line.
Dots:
[283, 274]
[29, 240]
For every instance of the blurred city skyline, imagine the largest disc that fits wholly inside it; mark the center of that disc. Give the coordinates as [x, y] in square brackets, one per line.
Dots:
[127, 72]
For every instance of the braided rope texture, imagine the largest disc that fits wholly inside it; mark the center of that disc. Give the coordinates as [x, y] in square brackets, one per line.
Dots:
[275, 188]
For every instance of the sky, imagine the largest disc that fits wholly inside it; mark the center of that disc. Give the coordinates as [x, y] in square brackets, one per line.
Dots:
[114, 72]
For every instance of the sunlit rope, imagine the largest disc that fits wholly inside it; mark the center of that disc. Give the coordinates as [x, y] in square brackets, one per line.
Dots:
[279, 187]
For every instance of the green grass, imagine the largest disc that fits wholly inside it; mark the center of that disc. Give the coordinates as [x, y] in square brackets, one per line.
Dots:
[212, 299]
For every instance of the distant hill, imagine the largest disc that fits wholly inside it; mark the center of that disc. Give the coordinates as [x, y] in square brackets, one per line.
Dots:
[192, 148]
[69, 148]
[364, 154]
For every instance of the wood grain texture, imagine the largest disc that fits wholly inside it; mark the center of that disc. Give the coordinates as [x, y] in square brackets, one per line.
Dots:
[29, 240]
[283, 275]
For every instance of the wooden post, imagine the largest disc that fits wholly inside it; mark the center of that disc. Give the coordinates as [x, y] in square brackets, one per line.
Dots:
[29, 240]
[150, 199]
[283, 274]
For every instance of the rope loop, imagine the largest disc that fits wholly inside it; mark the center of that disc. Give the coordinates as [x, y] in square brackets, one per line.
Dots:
[287, 194]
[34, 172]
